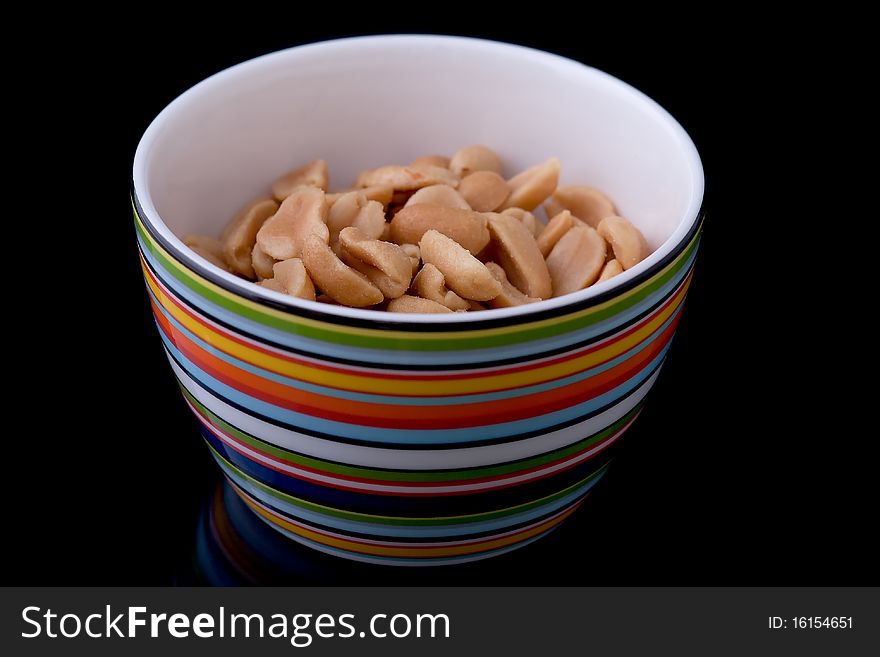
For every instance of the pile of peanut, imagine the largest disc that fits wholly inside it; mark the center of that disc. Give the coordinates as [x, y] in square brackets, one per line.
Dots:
[437, 235]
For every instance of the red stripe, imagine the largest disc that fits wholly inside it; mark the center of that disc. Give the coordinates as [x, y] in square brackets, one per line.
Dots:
[386, 374]
[413, 417]
[238, 446]
[559, 516]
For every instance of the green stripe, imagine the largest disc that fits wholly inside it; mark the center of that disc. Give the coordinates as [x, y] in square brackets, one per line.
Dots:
[327, 332]
[401, 521]
[432, 476]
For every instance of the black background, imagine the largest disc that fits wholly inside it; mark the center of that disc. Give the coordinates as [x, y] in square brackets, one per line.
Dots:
[734, 474]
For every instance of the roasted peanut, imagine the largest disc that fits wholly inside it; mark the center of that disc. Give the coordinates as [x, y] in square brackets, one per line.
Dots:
[464, 274]
[430, 283]
[301, 214]
[431, 161]
[387, 266]
[262, 263]
[474, 158]
[576, 260]
[510, 296]
[484, 190]
[410, 304]
[626, 240]
[415, 257]
[611, 269]
[442, 195]
[209, 248]
[437, 235]
[240, 235]
[376, 193]
[408, 178]
[313, 174]
[336, 279]
[587, 204]
[530, 187]
[466, 227]
[272, 284]
[294, 279]
[353, 209]
[529, 220]
[520, 257]
[555, 228]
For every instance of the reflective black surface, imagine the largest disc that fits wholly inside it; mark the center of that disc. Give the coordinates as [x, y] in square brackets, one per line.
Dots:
[735, 473]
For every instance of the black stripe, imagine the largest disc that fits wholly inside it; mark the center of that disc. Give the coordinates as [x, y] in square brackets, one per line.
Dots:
[385, 324]
[407, 446]
[623, 420]
[409, 539]
[417, 367]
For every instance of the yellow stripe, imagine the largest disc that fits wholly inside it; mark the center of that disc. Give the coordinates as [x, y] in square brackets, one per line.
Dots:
[390, 334]
[413, 386]
[392, 551]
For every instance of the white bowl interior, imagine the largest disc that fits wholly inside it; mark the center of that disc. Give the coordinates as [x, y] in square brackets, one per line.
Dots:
[360, 103]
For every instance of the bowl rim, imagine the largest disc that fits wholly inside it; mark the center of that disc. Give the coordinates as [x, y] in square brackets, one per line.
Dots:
[594, 295]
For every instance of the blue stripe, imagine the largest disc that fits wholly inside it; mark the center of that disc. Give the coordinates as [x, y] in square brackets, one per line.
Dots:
[386, 356]
[404, 561]
[388, 435]
[451, 400]
[412, 531]
[381, 503]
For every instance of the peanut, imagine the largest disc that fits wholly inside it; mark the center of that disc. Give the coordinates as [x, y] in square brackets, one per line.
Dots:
[406, 178]
[520, 257]
[485, 191]
[430, 283]
[353, 209]
[587, 204]
[336, 279]
[466, 227]
[530, 187]
[387, 266]
[442, 195]
[626, 240]
[410, 304]
[464, 274]
[437, 235]
[529, 220]
[262, 263]
[474, 158]
[294, 279]
[510, 296]
[272, 284]
[379, 193]
[313, 174]
[611, 269]
[415, 257]
[576, 260]
[240, 235]
[556, 228]
[301, 215]
[209, 248]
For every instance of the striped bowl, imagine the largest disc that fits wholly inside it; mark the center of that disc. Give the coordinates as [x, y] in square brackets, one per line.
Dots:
[409, 439]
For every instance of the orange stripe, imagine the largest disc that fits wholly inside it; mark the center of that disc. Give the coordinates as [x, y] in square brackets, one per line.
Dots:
[414, 551]
[413, 417]
[455, 384]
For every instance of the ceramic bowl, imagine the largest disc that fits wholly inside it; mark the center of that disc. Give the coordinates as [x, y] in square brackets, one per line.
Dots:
[412, 439]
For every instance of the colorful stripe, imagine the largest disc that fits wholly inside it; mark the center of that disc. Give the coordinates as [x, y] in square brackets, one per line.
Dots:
[377, 442]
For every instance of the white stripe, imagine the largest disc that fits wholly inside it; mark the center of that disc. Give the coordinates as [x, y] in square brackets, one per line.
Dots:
[413, 490]
[406, 459]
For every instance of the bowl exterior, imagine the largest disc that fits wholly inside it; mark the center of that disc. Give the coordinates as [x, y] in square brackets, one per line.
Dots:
[412, 444]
